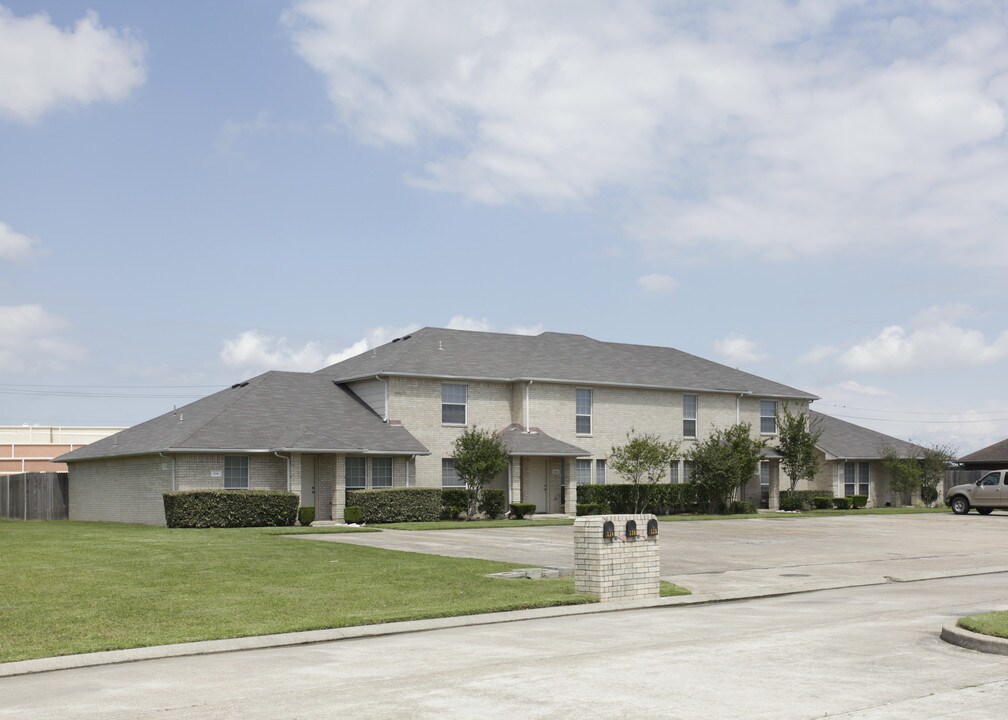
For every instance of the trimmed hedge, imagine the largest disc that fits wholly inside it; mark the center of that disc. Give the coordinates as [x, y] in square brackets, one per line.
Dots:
[454, 502]
[409, 504]
[593, 509]
[802, 499]
[663, 498]
[491, 503]
[230, 508]
[858, 501]
[742, 507]
[306, 515]
[352, 514]
[520, 510]
[841, 503]
[823, 503]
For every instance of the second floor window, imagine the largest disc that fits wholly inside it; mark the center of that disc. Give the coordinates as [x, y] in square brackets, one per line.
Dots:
[768, 417]
[689, 415]
[583, 411]
[453, 403]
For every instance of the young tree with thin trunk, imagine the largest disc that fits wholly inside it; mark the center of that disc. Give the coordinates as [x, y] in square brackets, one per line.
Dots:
[797, 437]
[723, 463]
[643, 461]
[935, 461]
[904, 473]
[478, 456]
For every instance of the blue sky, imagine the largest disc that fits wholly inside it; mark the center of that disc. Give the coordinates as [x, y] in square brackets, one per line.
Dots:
[191, 193]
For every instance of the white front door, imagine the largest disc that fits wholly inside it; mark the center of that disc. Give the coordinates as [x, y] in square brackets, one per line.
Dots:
[534, 483]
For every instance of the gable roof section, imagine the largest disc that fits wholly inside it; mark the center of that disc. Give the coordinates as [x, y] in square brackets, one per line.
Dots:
[847, 441]
[553, 357]
[536, 442]
[276, 411]
[996, 453]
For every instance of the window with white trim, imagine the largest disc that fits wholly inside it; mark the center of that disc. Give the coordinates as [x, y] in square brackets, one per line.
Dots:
[450, 478]
[857, 478]
[454, 397]
[600, 468]
[583, 470]
[687, 471]
[583, 411]
[764, 482]
[674, 472]
[381, 472]
[689, 415]
[236, 472]
[768, 417]
[356, 473]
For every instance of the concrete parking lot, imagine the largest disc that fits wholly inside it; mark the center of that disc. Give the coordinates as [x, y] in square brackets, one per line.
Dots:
[764, 553]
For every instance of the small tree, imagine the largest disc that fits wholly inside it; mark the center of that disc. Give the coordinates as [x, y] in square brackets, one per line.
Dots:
[478, 456]
[934, 462]
[797, 437]
[904, 472]
[723, 463]
[643, 461]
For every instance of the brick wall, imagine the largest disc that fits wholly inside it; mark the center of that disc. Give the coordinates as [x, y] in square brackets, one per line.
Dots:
[620, 568]
[120, 489]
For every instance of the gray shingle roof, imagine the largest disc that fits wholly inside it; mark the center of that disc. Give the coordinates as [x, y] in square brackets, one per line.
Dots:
[519, 442]
[848, 441]
[996, 453]
[276, 411]
[558, 357]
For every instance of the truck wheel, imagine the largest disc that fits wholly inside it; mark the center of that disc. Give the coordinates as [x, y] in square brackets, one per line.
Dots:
[960, 505]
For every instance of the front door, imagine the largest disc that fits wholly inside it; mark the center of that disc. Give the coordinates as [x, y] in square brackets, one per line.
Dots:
[534, 482]
[308, 480]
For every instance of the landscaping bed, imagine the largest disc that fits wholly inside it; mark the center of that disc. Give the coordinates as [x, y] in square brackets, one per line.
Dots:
[993, 623]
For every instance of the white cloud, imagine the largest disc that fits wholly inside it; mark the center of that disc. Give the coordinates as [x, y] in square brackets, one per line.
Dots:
[256, 352]
[42, 65]
[938, 345]
[818, 354]
[738, 349]
[461, 322]
[656, 283]
[30, 337]
[536, 329]
[858, 389]
[14, 245]
[776, 129]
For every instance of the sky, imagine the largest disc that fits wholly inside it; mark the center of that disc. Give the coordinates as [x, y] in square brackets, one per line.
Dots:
[813, 192]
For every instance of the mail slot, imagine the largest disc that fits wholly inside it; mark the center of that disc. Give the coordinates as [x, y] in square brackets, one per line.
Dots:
[652, 528]
[608, 530]
[631, 529]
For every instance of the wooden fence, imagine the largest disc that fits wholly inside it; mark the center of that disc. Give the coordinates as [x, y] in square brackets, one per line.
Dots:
[34, 496]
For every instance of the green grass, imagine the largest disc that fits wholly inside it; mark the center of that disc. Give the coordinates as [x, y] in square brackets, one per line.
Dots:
[993, 623]
[672, 590]
[82, 587]
[472, 524]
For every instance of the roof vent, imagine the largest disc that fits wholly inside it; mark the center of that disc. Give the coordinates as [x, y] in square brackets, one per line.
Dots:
[406, 337]
[395, 340]
[239, 385]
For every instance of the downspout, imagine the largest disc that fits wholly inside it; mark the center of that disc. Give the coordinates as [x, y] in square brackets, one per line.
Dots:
[173, 485]
[275, 452]
[385, 416]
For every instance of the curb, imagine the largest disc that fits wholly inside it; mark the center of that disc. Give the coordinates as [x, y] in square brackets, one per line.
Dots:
[955, 635]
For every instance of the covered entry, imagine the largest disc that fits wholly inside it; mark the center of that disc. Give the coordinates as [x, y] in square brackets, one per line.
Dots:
[541, 469]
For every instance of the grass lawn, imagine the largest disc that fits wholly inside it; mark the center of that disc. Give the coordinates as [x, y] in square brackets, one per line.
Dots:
[807, 513]
[472, 524]
[73, 587]
[672, 590]
[994, 623]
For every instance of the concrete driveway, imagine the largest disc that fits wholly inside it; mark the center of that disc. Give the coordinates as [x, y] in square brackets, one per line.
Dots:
[759, 554]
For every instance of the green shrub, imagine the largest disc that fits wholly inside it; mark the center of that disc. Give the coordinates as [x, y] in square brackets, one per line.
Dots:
[409, 504]
[792, 502]
[929, 494]
[841, 503]
[306, 514]
[520, 510]
[352, 514]
[742, 507]
[663, 498]
[454, 501]
[230, 508]
[592, 509]
[823, 503]
[491, 503]
[858, 501]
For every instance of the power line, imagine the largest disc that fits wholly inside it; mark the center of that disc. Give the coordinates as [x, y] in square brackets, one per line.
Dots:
[915, 412]
[924, 422]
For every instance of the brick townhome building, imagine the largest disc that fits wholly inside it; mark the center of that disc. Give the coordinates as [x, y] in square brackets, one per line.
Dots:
[387, 418]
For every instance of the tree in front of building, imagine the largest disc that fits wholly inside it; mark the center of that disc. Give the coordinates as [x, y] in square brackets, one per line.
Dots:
[904, 473]
[797, 437]
[642, 461]
[723, 463]
[934, 462]
[478, 456]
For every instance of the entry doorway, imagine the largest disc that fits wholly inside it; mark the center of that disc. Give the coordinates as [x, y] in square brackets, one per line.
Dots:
[543, 483]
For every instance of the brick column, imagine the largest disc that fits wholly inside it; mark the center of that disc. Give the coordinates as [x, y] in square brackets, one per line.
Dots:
[774, 485]
[338, 488]
[570, 500]
[516, 479]
[295, 475]
[617, 568]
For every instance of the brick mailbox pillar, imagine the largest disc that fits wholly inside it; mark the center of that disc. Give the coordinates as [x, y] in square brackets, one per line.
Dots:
[621, 567]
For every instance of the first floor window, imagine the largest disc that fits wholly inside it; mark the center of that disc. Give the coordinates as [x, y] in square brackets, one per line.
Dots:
[584, 472]
[857, 478]
[356, 473]
[687, 471]
[600, 472]
[689, 415]
[764, 483]
[236, 474]
[450, 478]
[381, 472]
[674, 472]
[583, 411]
[768, 417]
